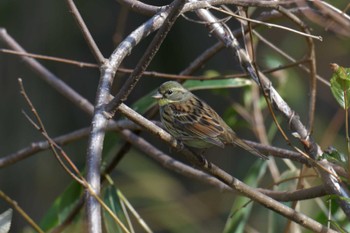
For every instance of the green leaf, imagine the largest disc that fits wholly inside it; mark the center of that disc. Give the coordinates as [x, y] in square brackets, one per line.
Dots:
[337, 227]
[338, 220]
[335, 197]
[340, 85]
[5, 221]
[194, 85]
[62, 206]
[144, 103]
[334, 156]
[240, 211]
[230, 117]
[111, 199]
[211, 74]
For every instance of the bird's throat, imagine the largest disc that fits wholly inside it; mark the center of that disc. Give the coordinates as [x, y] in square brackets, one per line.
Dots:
[164, 101]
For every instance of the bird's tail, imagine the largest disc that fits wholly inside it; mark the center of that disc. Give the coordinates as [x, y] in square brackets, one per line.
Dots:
[248, 148]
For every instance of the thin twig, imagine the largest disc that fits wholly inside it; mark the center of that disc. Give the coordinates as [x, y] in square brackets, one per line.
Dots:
[294, 204]
[270, 25]
[75, 174]
[134, 212]
[334, 183]
[140, 7]
[312, 58]
[185, 74]
[147, 57]
[47, 75]
[26, 217]
[99, 120]
[258, 118]
[296, 195]
[85, 31]
[285, 55]
[121, 23]
[217, 172]
[36, 147]
[50, 58]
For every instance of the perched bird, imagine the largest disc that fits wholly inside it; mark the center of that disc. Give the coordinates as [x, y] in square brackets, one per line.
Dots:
[193, 122]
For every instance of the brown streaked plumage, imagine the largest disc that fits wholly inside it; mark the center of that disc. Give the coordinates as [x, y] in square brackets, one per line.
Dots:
[194, 122]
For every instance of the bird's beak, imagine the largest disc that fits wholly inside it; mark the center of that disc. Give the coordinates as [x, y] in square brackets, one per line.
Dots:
[157, 96]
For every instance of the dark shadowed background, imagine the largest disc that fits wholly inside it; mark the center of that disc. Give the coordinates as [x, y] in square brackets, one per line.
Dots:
[168, 201]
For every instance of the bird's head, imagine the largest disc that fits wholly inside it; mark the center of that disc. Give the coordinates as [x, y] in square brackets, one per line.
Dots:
[171, 92]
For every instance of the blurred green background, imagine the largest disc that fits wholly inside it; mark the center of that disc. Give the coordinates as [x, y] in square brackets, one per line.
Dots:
[168, 201]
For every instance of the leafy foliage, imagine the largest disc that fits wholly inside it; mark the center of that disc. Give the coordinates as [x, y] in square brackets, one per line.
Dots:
[62, 206]
[170, 202]
[112, 200]
[340, 85]
[5, 221]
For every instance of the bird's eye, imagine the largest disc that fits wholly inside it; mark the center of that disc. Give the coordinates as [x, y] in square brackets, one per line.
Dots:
[169, 92]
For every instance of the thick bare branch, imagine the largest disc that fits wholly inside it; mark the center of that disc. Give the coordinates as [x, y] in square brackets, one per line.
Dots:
[65, 139]
[223, 34]
[46, 75]
[100, 121]
[129, 85]
[222, 175]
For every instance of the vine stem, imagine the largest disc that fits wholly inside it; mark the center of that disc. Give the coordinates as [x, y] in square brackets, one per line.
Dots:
[347, 129]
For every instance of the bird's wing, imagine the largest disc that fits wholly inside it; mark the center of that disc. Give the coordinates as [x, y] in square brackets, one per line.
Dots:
[200, 121]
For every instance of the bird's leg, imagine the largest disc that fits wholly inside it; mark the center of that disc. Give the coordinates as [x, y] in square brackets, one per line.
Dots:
[201, 161]
[180, 146]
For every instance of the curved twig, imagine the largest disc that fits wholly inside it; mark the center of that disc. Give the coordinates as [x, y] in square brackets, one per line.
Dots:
[36, 147]
[295, 121]
[311, 56]
[16, 206]
[85, 31]
[173, 14]
[223, 34]
[222, 175]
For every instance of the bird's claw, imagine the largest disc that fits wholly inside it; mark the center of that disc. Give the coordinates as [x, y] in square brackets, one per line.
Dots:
[180, 146]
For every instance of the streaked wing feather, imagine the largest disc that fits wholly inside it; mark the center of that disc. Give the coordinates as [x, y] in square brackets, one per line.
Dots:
[201, 122]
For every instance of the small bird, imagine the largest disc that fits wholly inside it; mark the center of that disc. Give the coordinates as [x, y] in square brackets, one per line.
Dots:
[193, 122]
